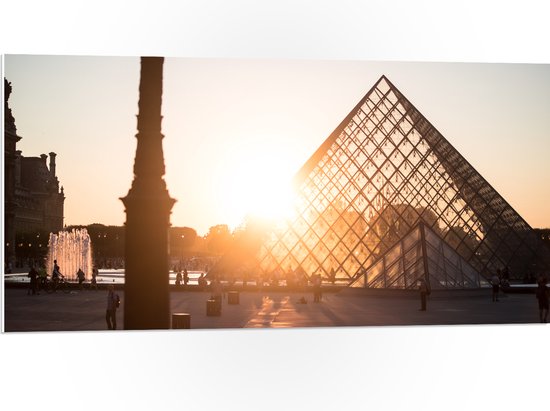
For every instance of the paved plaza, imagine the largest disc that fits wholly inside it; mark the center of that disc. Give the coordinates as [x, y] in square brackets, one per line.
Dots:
[85, 310]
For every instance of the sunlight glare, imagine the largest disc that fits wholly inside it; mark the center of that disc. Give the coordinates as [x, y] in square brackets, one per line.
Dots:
[257, 181]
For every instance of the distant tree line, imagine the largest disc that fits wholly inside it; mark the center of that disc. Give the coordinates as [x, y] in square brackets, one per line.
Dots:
[184, 242]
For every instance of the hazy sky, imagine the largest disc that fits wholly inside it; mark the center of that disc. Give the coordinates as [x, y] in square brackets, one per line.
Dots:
[234, 128]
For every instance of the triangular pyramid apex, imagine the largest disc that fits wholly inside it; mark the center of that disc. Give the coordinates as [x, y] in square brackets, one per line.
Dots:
[385, 79]
[382, 78]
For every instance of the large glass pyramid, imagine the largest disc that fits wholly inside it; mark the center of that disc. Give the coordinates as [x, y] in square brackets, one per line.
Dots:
[384, 168]
[420, 254]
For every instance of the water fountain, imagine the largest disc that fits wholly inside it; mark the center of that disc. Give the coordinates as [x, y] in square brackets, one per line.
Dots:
[72, 250]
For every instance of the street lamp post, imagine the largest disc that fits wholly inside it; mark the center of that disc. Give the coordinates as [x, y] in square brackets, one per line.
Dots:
[148, 207]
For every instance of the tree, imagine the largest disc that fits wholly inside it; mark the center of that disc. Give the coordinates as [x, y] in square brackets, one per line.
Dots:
[219, 239]
[182, 239]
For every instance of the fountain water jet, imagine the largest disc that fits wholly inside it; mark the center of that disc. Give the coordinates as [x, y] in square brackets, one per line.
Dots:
[72, 250]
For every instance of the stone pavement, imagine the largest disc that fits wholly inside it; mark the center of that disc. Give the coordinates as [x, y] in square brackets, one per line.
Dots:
[85, 310]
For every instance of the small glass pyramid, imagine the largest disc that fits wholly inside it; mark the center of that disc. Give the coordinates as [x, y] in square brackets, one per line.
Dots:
[420, 254]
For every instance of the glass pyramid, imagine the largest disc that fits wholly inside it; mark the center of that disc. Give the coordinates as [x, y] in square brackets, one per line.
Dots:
[384, 168]
[420, 254]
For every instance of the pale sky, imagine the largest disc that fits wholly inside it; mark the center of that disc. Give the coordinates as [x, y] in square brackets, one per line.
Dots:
[233, 128]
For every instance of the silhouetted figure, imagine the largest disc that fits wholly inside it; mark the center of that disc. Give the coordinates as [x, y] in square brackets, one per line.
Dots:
[317, 288]
[495, 282]
[42, 278]
[80, 275]
[424, 292]
[332, 276]
[505, 281]
[33, 275]
[95, 273]
[217, 290]
[56, 273]
[178, 278]
[185, 276]
[542, 293]
[216, 293]
[202, 282]
[113, 302]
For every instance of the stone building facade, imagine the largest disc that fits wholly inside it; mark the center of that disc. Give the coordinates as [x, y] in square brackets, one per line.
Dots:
[33, 197]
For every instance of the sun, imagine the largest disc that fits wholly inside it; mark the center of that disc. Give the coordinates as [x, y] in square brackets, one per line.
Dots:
[257, 181]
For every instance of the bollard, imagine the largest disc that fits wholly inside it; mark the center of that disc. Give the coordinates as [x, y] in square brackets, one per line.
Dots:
[181, 321]
[233, 297]
[213, 307]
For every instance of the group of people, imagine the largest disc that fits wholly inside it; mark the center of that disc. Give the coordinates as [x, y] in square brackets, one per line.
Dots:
[498, 280]
[113, 299]
[38, 278]
[182, 277]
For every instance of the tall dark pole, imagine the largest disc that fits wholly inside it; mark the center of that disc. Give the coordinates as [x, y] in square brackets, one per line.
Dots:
[148, 206]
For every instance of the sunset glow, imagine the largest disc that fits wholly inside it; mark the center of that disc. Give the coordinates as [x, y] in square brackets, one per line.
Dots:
[255, 179]
[237, 131]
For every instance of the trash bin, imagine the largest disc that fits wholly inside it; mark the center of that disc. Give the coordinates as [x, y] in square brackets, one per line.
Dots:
[213, 307]
[181, 320]
[233, 297]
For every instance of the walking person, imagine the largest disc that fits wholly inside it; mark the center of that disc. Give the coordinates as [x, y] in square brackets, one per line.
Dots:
[113, 302]
[542, 293]
[178, 278]
[495, 282]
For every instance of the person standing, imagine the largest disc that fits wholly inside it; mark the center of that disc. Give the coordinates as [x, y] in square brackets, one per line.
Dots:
[80, 275]
[113, 302]
[185, 277]
[332, 276]
[217, 293]
[202, 282]
[495, 282]
[94, 278]
[178, 278]
[317, 288]
[33, 275]
[542, 293]
[42, 279]
[424, 292]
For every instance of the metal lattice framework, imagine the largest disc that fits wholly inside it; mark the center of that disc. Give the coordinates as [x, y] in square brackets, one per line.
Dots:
[384, 168]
